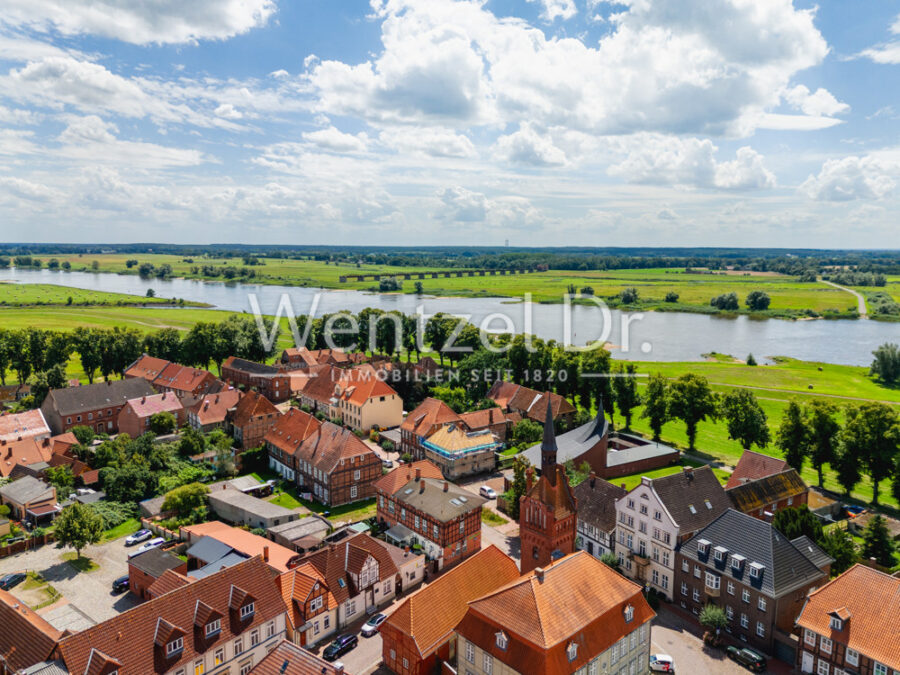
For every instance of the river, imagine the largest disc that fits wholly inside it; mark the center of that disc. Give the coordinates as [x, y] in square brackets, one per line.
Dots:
[657, 336]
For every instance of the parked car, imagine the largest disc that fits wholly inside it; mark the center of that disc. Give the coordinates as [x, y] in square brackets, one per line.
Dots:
[120, 585]
[487, 492]
[11, 580]
[662, 663]
[387, 464]
[341, 645]
[370, 627]
[747, 658]
[153, 543]
[138, 537]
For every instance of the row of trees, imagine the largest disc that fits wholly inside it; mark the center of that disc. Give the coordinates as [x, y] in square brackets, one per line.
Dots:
[756, 301]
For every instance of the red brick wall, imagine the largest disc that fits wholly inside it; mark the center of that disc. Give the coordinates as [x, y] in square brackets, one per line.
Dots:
[139, 581]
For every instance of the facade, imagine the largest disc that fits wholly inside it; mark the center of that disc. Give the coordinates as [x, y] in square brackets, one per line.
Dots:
[271, 382]
[134, 418]
[251, 419]
[419, 634]
[763, 497]
[596, 501]
[660, 514]
[578, 615]
[754, 572]
[365, 401]
[548, 509]
[19, 426]
[94, 405]
[224, 623]
[239, 508]
[443, 518]
[850, 625]
[211, 411]
[146, 568]
[327, 461]
[428, 417]
[460, 452]
[25, 637]
[29, 498]
[753, 465]
[530, 403]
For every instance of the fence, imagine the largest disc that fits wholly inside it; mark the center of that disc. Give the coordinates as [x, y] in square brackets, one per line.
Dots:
[27, 544]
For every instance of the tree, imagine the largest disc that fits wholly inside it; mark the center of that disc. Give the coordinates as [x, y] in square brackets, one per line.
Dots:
[85, 435]
[750, 360]
[45, 381]
[419, 288]
[19, 359]
[792, 437]
[183, 500]
[131, 482]
[455, 397]
[846, 465]
[629, 296]
[886, 365]
[527, 431]
[656, 403]
[794, 522]
[77, 526]
[877, 542]
[87, 343]
[712, 617]
[4, 356]
[692, 401]
[838, 543]
[518, 487]
[164, 344]
[823, 429]
[726, 301]
[192, 443]
[746, 420]
[610, 560]
[758, 301]
[872, 435]
[672, 296]
[162, 423]
[625, 391]
[62, 479]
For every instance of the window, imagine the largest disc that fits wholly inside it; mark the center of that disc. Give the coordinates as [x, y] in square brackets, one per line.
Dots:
[760, 629]
[823, 667]
[572, 651]
[326, 622]
[246, 667]
[730, 588]
[756, 571]
[810, 638]
[470, 652]
[254, 638]
[729, 612]
[247, 611]
[825, 644]
[696, 595]
[851, 656]
[665, 581]
[685, 566]
[462, 526]
[435, 531]
[199, 667]
[630, 503]
[657, 515]
[697, 571]
[713, 580]
[655, 577]
[351, 607]
[405, 662]
[175, 646]
[665, 558]
[629, 613]
[353, 491]
[836, 623]
[501, 639]
[219, 657]
[880, 669]
[356, 474]
[745, 595]
[213, 627]
[238, 646]
[488, 662]
[393, 655]
[744, 620]
[387, 586]
[315, 604]
[761, 603]
[684, 588]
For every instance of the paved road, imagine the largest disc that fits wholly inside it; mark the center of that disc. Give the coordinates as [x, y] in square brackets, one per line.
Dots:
[860, 300]
[91, 591]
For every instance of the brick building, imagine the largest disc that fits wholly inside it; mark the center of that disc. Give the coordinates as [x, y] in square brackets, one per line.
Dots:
[251, 419]
[184, 381]
[763, 497]
[530, 403]
[26, 638]
[753, 465]
[146, 568]
[271, 382]
[211, 411]
[134, 418]
[94, 405]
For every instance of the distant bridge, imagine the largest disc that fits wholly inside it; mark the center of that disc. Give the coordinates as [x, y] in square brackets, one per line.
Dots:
[434, 275]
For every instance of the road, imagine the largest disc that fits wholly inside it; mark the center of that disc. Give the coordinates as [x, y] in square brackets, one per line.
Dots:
[860, 300]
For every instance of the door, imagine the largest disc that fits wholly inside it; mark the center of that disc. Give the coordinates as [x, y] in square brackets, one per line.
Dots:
[807, 665]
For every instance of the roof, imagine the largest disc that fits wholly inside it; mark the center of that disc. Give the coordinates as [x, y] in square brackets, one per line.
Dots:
[456, 439]
[183, 378]
[291, 429]
[596, 500]
[147, 406]
[128, 638]
[482, 419]
[693, 497]
[430, 614]
[289, 659]
[26, 452]
[248, 503]
[428, 496]
[23, 425]
[26, 490]
[213, 408]
[531, 402]
[755, 494]
[25, 637]
[154, 562]
[320, 387]
[74, 400]
[428, 414]
[359, 384]
[251, 367]
[326, 446]
[811, 550]
[252, 405]
[227, 560]
[871, 601]
[304, 527]
[558, 493]
[786, 567]
[576, 599]
[391, 482]
[753, 465]
[147, 367]
[169, 581]
[46, 668]
[242, 541]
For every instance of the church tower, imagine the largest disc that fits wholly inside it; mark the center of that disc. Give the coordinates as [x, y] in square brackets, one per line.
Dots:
[548, 509]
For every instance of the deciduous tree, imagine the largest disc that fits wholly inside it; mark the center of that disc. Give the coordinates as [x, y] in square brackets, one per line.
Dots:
[746, 420]
[692, 401]
[77, 526]
[656, 406]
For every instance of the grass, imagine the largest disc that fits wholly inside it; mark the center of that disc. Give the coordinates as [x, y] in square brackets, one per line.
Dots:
[125, 528]
[35, 582]
[35, 295]
[634, 480]
[287, 501]
[491, 518]
[82, 564]
[347, 513]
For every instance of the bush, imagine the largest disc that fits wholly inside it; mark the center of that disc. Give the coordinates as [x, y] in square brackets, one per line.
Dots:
[114, 513]
[628, 296]
[672, 296]
[758, 301]
[726, 301]
[387, 446]
[85, 435]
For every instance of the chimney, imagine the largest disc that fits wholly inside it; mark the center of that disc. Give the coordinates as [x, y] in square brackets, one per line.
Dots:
[689, 473]
[266, 553]
[422, 485]
[539, 574]
[46, 442]
[623, 486]
[143, 399]
[446, 486]
[418, 473]
[593, 478]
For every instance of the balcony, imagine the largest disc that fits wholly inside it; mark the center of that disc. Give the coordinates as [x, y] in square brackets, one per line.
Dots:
[712, 592]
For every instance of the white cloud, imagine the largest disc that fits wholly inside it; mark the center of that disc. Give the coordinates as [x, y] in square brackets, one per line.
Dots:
[821, 103]
[886, 52]
[553, 9]
[337, 141]
[744, 172]
[27, 190]
[18, 116]
[228, 111]
[160, 21]
[781, 122]
[527, 147]
[464, 205]
[430, 141]
[851, 178]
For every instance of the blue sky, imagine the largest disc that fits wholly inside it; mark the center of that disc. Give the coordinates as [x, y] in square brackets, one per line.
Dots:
[545, 122]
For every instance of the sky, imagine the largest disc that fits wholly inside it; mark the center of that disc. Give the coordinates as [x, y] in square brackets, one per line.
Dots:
[451, 122]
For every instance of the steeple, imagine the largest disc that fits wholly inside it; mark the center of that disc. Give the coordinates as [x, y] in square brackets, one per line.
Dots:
[548, 446]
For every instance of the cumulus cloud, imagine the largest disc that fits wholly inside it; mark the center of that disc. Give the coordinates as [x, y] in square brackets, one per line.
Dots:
[337, 141]
[228, 111]
[526, 146]
[159, 22]
[464, 205]
[886, 52]
[818, 103]
[553, 9]
[852, 178]
[429, 141]
[27, 190]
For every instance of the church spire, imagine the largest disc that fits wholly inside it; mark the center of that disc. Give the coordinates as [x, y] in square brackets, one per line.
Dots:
[548, 446]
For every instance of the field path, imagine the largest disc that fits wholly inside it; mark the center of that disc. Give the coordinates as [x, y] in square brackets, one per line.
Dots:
[860, 300]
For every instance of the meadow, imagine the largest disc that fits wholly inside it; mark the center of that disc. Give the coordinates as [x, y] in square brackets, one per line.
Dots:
[36, 295]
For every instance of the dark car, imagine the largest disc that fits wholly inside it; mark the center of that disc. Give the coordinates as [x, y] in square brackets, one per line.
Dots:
[342, 645]
[11, 580]
[120, 585]
[748, 658]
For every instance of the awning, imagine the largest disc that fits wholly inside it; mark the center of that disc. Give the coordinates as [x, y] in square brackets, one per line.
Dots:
[44, 510]
[399, 533]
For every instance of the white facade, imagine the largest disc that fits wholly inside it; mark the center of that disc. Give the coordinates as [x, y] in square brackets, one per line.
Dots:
[594, 540]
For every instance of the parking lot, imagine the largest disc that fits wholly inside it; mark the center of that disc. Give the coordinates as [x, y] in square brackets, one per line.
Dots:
[90, 591]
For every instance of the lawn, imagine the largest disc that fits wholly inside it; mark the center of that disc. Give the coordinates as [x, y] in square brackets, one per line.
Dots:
[348, 513]
[491, 518]
[82, 564]
[31, 295]
[125, 528]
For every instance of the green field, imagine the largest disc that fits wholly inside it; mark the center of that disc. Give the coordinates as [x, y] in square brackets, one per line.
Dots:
[37, 295]
[695, 288]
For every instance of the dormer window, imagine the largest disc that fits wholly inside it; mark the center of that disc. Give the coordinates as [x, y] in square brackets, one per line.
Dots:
[629, 613]
[836, 623]
[693, 510]
[756, 570]
[247, 611]
[720, 553]
[213, 627]
[572, 651]
[501, 639]
[703, 546]
[175, 646]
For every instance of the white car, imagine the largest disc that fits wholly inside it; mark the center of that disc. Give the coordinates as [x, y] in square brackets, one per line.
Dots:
[153, 543]
[370, 627]
[487, 492]
[662, 663]
[138, 537]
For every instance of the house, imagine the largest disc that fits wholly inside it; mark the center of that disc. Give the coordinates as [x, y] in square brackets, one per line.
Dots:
[238, 508]
[19, 426]
[754, 572]
[530, 403]
[278, 558]
[419, 634]
[146, 568]
[460, 452]
[303, 535]
[430, 415]
[211, 411]
[134, 418]
[147, 368]
[753, 465]
[323, 459]
[851, 625]
[185, 381]
[764, 497]
[25, 637]
[489, 419]
[304, 358]
[289, 659]
[271, 382]
[336, 585]
[224, 623]
[251, 419]
[27, 452]
[29, 499]
[609, 454]
[94, 405]
[365, 401]
[441, 517]
[548, 509]
[577, 615]
[658, 515]
[596, 516]
[397, 478]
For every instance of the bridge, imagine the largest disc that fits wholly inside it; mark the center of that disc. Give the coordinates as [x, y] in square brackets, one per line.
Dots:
[407, 276]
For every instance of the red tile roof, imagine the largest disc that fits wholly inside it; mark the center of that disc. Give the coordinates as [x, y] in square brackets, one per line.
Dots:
[360, 384]
[394, 480]
[334, 562]
[184, 378]
[322, 444]
[530, 402]
[753, 465]
[428, 414]
[148, 406]
[296, 585]
[482, 419]
[24, 452]
[291, 429]
[147, 367]
[129, 637]
[280, 558]
[169, 581]
[252, 405]
[213, 408]
[871, 602]
[289, 659]
[25, 637]
[559, 495]
[28, 424]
